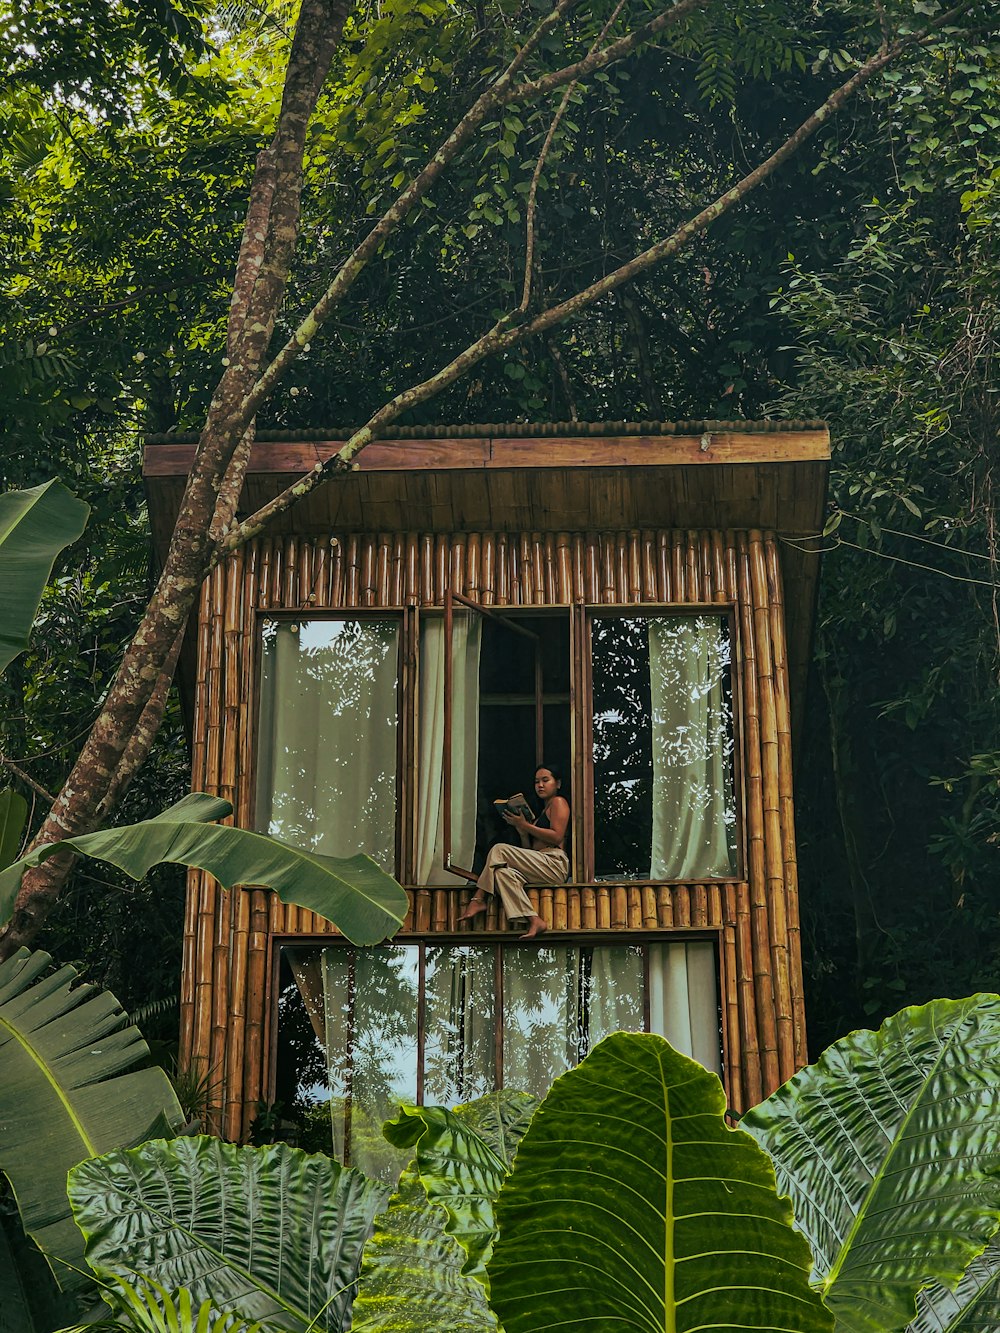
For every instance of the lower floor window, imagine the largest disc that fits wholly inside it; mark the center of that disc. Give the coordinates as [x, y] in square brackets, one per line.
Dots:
[362, 1030]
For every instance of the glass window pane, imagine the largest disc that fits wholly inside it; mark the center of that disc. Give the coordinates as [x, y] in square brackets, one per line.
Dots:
[541, 1016]
[664, 802]
[613, 992]
[370, 1008]
[326, 765]
[459, 1020]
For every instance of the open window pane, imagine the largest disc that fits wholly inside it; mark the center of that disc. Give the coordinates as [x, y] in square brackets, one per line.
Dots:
[464, 754]
[664, 803]
[327, 736]
[523, 711]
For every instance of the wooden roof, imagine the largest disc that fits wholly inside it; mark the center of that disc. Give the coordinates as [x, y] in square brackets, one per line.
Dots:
[562, 477]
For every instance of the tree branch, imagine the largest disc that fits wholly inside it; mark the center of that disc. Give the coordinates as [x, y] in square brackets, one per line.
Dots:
[500, 93]
[510, 330]
[529, 221]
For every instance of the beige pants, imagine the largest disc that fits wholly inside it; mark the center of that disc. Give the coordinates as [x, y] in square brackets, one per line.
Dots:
[509, 868]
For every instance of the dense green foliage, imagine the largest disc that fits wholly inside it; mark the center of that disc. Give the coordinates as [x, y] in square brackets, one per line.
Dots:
[859, 284]
[629, 1200]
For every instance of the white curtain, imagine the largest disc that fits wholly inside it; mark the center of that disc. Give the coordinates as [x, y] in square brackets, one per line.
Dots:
[684, 999]
[327, 755]
[466, 639]
[692, 804]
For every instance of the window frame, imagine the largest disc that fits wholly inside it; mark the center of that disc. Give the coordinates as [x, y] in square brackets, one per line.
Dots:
[498, 941]
[404, 617]
[503, 616]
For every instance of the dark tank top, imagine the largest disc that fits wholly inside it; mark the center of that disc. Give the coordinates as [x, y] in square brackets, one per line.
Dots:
[543, 822]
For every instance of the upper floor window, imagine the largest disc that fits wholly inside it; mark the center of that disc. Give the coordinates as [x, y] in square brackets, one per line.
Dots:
[393, 734]
[661, 719]
[328, 735]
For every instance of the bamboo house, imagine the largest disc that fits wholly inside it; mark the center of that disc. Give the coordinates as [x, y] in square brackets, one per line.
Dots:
[630, 603]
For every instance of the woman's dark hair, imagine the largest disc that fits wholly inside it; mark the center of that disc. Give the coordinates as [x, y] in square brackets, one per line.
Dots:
[554, 769]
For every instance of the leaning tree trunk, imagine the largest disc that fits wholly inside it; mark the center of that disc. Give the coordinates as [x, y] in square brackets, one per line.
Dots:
[128, 723]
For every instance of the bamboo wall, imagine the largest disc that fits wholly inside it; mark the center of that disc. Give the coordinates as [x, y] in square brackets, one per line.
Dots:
[225, 998]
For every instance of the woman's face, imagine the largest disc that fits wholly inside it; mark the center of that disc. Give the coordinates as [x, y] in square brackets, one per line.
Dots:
[546, 785]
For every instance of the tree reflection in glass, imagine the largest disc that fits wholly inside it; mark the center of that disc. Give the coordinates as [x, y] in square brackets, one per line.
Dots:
[459, 1023]
[371, 1002]
[326, 762]
[664, 803]
[558, 1003]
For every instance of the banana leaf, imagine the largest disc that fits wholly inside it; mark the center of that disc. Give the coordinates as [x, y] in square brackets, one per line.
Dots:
[13, 816]
[889, 1151]
[30, 1300]
[64, 1095]
[359, 898]
[35, 525]
[463, 1157]
[270, 1234]
[411, 1276]
[633, 1205]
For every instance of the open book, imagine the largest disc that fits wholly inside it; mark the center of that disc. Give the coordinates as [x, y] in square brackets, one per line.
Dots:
[515, 805]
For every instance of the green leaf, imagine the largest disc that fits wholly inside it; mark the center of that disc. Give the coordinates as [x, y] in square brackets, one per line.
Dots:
[887, 1147]
[352, 892]
[463, 1157]
[13, 817]
[30, 1301]
[64, 1096]
[973, 1306]
[272, 1234]
[411, 1277]
[147, 1307]
[633, 1205]
[35, 525]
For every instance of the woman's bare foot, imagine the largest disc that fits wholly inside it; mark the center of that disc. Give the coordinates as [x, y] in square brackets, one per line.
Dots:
[536, 926]
[476, 905]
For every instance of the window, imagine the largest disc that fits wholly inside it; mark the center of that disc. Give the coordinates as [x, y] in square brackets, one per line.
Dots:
[649, 748]
[361, 1030]
[328, 735]
[661, 725]
[634, 705]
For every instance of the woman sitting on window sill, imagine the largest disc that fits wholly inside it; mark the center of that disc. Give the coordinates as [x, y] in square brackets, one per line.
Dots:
[541, 858]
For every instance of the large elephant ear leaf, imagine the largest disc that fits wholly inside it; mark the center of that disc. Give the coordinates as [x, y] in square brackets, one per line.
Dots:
[270, 1234]
[633, 1205]
[353, 892]
[463, 1157]
[35, 525]
[65, 1094]
[412, 1277]
[889, 1151]
[972, 1307]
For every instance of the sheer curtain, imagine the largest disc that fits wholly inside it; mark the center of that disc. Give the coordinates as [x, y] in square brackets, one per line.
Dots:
[684, 999]
[692, 803]
[326, 776]
[466, 641]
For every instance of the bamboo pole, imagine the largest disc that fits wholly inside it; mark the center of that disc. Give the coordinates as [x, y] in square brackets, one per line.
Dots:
[785, 794]
[760, 927]
[774, 868]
